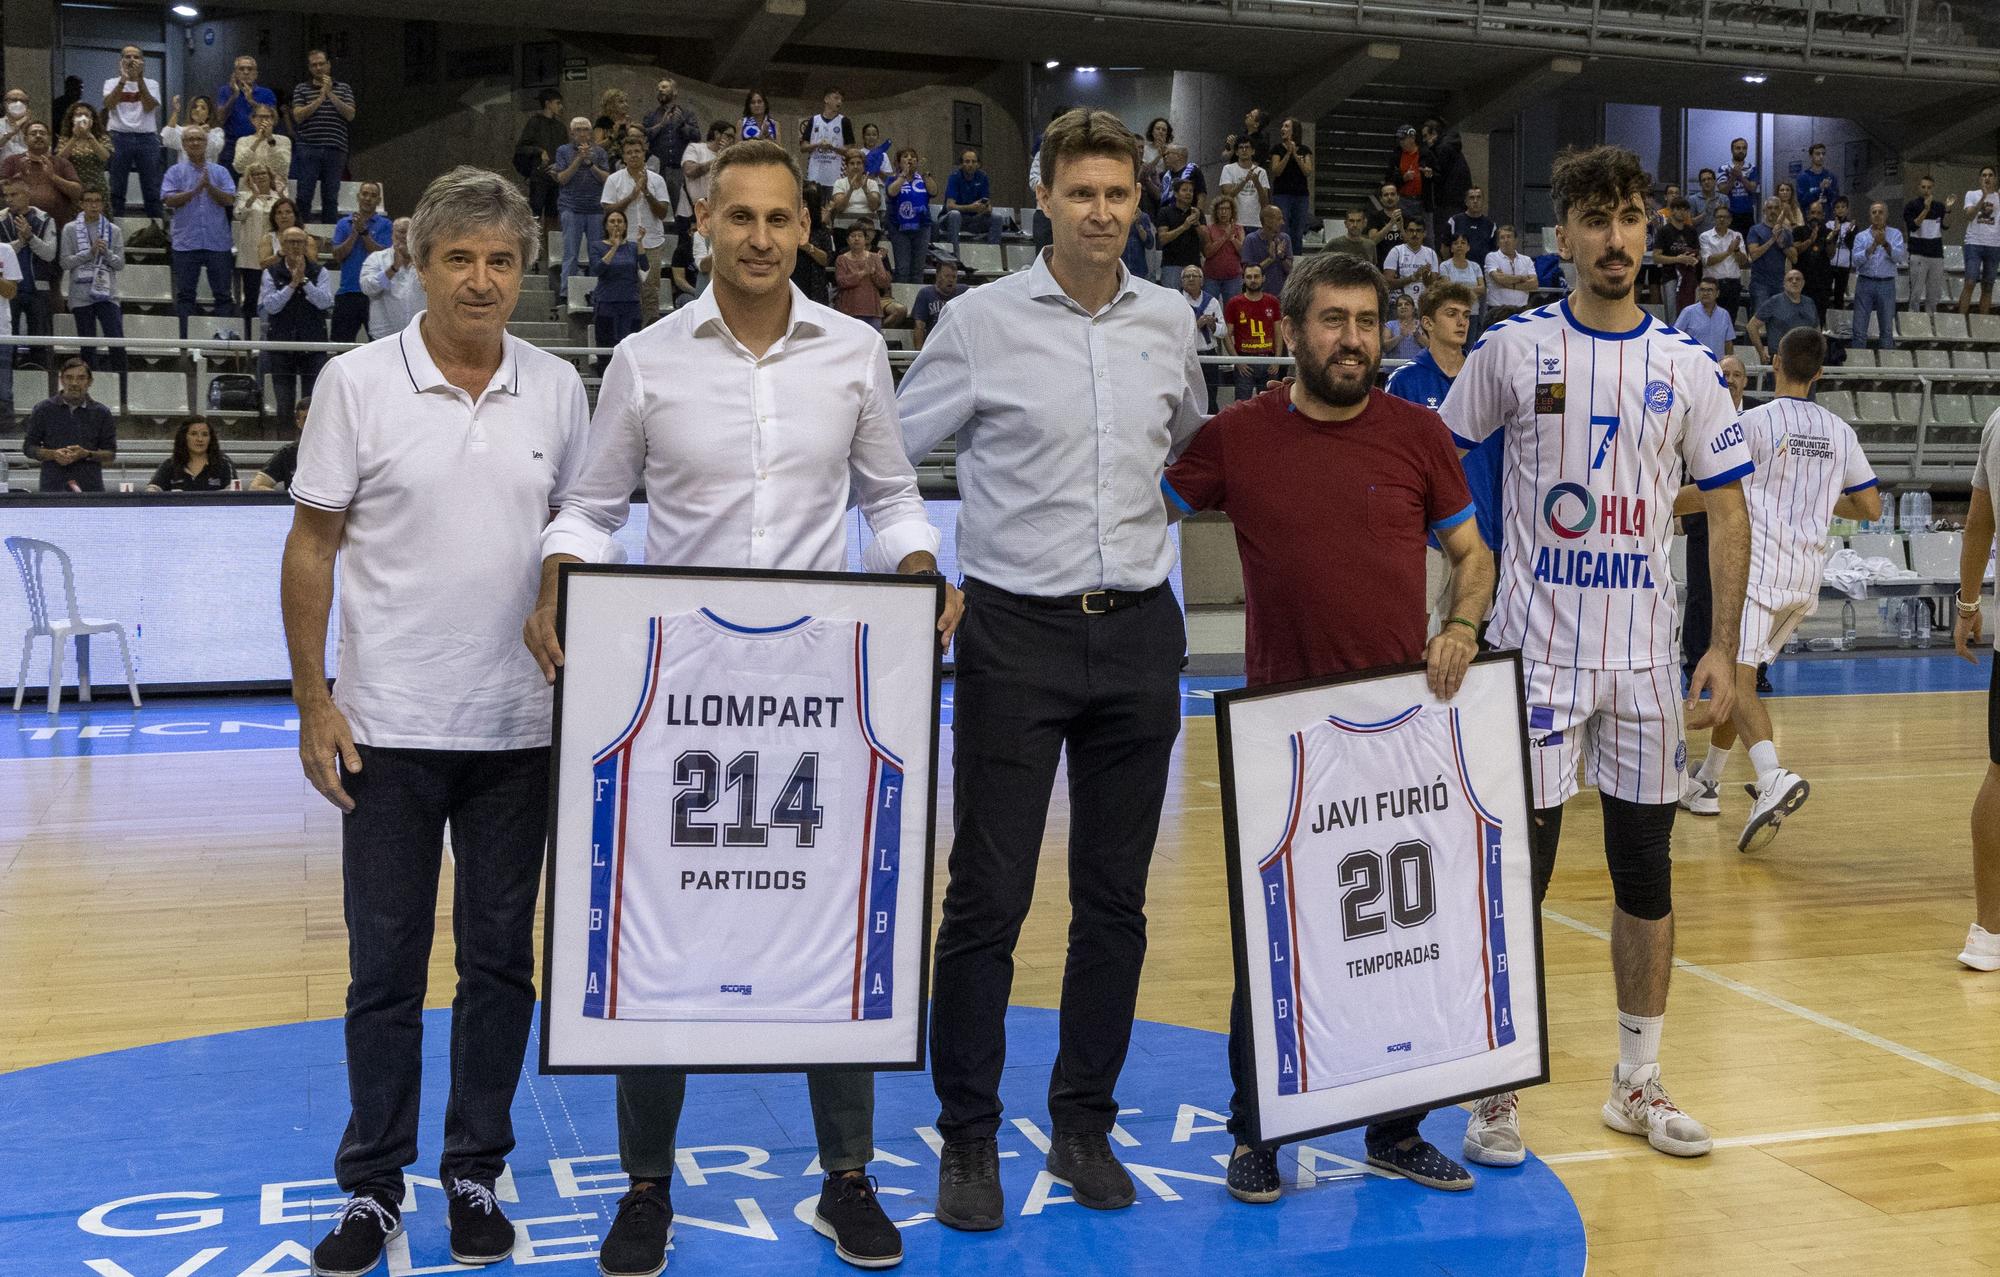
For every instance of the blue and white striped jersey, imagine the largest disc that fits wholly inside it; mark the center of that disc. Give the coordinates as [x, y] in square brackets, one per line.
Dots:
[1806, 459]
[1598, 426]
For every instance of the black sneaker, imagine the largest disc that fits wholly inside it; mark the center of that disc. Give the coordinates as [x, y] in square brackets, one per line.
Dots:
[1084, 1161]
[849, 1214]
[968, 1195]
[1423, 1163]
[480, 1233]
[1253, 1174]
[363, 1227]
[636, 1246]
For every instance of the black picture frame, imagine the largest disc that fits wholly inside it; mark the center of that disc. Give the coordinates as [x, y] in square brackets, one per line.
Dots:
[936, 587]
[1225, 702]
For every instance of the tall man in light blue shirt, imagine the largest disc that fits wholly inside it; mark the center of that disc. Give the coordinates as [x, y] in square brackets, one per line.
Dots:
[1068, 387]
[200, 193]
[1879, 252]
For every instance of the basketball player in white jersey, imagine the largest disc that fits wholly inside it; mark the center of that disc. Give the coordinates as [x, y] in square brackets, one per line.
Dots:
[823, 141]
[1602, 405]
[1810, 471]
[752, 417]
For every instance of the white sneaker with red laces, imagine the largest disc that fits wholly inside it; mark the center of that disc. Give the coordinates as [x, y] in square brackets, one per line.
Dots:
[1493, 1136]
[1640, 1105]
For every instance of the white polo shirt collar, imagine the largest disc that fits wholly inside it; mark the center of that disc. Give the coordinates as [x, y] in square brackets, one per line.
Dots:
[425, 377]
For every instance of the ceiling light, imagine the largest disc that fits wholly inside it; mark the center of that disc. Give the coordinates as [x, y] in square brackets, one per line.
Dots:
[186, 11]
[1086, 70]
[1754, 77]
[1050, 66]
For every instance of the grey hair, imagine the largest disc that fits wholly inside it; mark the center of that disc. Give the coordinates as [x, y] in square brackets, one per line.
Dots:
[470, 197]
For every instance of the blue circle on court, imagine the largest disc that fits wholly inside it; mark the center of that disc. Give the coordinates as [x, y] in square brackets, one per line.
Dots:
[210, 1157]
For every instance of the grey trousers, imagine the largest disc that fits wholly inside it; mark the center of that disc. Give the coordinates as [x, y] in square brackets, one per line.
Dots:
[649, 1113]
[1926, 282]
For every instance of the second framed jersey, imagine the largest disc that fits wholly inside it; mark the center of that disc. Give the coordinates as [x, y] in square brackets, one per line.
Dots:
[744, 806]
[1382, 904]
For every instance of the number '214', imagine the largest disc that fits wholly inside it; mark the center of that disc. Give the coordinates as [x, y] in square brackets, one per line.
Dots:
[700, 777]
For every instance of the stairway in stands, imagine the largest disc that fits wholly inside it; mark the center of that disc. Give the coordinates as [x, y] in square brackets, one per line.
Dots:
[1353, 142]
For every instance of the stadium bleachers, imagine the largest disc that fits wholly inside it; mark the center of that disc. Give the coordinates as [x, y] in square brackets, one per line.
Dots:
[1918, 407]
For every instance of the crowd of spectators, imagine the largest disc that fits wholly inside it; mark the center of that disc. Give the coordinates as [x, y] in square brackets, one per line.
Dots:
[1736, 259]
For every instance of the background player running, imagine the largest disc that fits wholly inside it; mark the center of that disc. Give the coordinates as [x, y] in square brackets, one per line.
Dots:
[1810, 470]
[1601, 406]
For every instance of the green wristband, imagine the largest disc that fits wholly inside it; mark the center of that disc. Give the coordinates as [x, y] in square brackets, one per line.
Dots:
[1459, 620]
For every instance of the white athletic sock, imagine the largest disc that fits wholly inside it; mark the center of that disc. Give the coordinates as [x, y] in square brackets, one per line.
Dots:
[1712, 765]
[1764, 757]
[1638, 1041]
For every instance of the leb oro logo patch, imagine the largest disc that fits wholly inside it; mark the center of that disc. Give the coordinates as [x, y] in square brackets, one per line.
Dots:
[1549, 397]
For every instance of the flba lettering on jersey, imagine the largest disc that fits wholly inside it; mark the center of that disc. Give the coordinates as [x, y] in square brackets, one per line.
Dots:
[1594, 569]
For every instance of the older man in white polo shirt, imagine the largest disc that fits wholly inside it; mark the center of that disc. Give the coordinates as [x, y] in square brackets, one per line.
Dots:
[752, 416]
[430, 462]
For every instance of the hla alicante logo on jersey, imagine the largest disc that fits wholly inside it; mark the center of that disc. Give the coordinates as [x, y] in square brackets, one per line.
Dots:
[1572, 512]
[1659, 396]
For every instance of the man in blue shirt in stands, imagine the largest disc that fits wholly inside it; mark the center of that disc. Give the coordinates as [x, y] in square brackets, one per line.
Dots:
[1445, 315]
[235, 101]
[1816, 184]
[364, 231]
[1879, 252]
[200, 193]
[1707, 322]
[1741, 183]
[968, 202]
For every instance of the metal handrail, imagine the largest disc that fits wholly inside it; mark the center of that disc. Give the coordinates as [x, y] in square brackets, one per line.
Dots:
[1697, 35]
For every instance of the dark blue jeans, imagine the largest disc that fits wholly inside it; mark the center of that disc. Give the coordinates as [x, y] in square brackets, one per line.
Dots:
[324, 165]
[188, 267]
[130, 151]
[292, 374]
[496, 803]
[105, 317]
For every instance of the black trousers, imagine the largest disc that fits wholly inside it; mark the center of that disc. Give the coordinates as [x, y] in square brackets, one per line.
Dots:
[350, 315]
[1036, 680]
[496, 803]
[1696, 612]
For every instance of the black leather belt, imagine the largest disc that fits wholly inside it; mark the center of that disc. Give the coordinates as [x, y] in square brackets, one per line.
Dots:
[1090, 603]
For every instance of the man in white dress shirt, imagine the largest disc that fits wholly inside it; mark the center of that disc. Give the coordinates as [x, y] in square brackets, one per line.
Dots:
[395, 290]
[643, 197]
[751, 416]
[1068, 387]
[429, 464]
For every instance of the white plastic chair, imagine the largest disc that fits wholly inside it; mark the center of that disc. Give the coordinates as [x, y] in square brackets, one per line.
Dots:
[31, 557]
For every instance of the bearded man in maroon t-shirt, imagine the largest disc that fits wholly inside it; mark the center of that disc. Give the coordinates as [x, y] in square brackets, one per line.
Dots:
[1333, 486]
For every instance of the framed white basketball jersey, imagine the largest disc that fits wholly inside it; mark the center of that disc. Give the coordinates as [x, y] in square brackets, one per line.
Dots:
[746, 831]
[1383, 905]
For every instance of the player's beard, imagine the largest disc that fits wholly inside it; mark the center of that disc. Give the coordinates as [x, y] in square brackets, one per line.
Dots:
[1604, 291]
[1321, 382]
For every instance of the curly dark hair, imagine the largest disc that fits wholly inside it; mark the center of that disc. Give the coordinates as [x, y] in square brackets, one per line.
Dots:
[1600, 176]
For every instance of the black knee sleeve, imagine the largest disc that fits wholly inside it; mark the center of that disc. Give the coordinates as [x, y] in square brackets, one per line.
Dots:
[1638, 840]
[1545, 828]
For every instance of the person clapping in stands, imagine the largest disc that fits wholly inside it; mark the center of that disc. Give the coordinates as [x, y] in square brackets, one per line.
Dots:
[198, 464]
[297, 294]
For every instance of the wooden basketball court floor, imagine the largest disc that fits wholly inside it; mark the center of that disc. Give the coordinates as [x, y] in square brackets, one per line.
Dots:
[1848, 1067]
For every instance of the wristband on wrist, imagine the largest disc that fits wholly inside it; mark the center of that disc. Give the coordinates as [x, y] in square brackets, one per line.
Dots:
[1964, 608]
[1459, 620]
